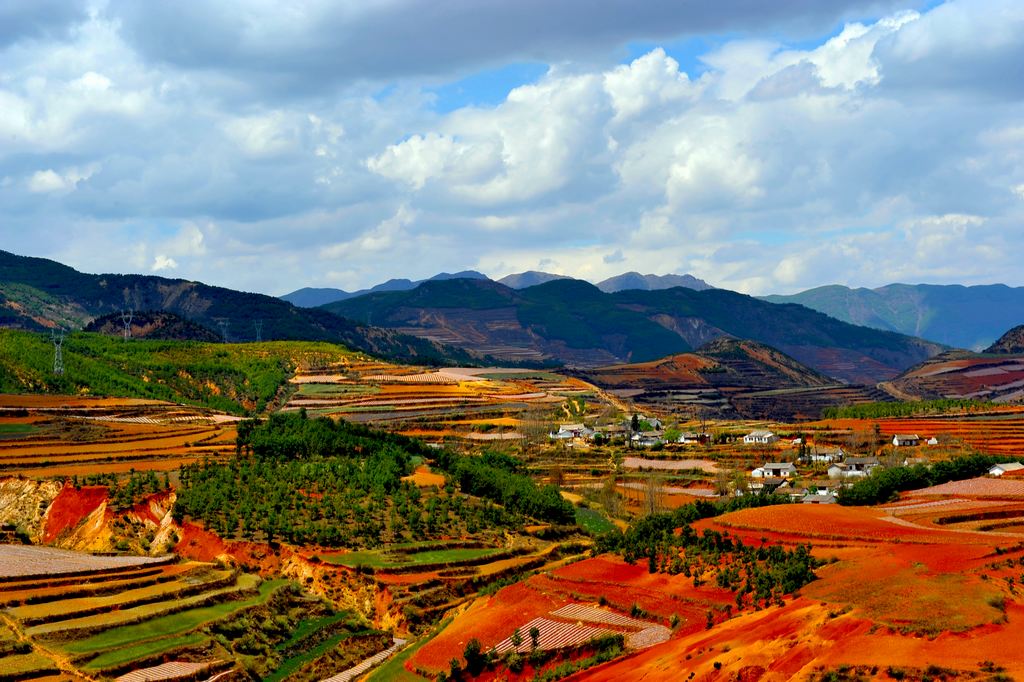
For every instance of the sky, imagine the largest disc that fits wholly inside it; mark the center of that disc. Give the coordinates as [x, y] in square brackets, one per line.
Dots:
[766, 147]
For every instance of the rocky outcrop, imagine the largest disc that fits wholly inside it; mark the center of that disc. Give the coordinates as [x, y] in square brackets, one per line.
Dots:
[1012, 342]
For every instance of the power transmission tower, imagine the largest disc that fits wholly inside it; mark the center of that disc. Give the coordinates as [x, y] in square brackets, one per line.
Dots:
[223, 324]
[57, 336]
[126, 320]
[259, 330]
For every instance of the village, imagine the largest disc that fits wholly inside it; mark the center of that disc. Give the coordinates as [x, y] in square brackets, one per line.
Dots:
[805, 470]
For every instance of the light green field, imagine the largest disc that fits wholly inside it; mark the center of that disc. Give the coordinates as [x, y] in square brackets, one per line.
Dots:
[174, 623]
[393, 670]
[295, 663]
[25, 663]
[384, 559]
[146, 649]
[327, 390]
[594, 522]
[309, 626]
[16, 429]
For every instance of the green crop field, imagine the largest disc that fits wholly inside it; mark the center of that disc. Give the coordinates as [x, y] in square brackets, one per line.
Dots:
[175, 623]
[309, 626]
[594, 522]
[295, 663]
[16, 429]
[18, 666]
[393, 670]
[142, 650]
[384, 559]
[326, 390]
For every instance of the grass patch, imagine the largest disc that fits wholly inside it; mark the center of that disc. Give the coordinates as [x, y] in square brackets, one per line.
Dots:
[146, 649]
[385, 559]
[393, 670]
[296, 663]
[172, 624]
[25, 663]
[308, 627]
[593, 521]
[319, 390]
[16, 429]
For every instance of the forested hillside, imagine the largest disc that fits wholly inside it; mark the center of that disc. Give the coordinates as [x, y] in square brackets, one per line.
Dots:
[339, 484]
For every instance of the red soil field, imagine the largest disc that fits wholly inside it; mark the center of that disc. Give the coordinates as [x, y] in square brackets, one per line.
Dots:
[790, 642]
[70, 507]
[199, 544]
[488, 619]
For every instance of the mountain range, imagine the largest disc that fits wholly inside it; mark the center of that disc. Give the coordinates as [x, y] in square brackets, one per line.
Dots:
[959, 316]
[309, 297]
[574, 322]
[37, 294]
[312, 297]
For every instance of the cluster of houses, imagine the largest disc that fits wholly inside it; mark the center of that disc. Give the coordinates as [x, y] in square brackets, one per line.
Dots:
[653, 433]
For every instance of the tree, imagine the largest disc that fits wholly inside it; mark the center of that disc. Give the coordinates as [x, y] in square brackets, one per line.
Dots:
[534, 637]
[475, 659]
[516, 639]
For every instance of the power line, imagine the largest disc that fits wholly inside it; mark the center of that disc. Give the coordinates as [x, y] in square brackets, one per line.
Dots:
[57, 336]
[126, 320]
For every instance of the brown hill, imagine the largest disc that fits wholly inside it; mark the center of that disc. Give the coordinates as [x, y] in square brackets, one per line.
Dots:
[961, 374]
[1010, 342]
[151, 324]
[731, 377]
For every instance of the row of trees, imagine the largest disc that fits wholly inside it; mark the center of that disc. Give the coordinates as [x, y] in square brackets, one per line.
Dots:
[885, 484]
[905, 408]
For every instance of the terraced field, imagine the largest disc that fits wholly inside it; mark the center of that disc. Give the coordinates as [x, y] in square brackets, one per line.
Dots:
[77, 437]
[462, 403]
[998, 432]
[104, 615]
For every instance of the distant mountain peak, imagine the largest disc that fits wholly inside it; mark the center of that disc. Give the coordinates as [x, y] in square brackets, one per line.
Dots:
[530, 278]
[308, 297]
[634, 280]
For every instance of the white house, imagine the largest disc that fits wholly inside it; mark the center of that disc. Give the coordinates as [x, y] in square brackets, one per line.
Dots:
[820, 497]
[1005, 467]
[933, 441]
[653, 422]
[854, 467]
[647, 439]
[760, 437]
[569, 431]
[774, 470]
[825, 455]
[691, 438]
[904, 440]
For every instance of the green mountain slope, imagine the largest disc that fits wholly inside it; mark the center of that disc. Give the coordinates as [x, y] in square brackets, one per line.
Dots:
[964, 317]
[236, 378]
[576, 323]
[36, 293]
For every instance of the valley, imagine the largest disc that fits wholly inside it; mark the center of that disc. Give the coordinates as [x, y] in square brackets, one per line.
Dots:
[639, 490]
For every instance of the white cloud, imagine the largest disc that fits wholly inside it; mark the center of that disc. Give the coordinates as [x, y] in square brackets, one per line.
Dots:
[163, 262]
[50, 181]
[649, 81]
[866, 156]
